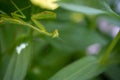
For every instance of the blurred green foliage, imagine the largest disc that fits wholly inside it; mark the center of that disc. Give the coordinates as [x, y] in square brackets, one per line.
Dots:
[47, 58]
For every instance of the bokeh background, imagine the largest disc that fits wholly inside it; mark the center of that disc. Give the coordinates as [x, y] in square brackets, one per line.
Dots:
[79, 35]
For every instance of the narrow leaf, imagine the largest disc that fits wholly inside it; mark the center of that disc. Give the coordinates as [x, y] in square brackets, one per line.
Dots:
[18, 65]
[86, 6]
[83, 69]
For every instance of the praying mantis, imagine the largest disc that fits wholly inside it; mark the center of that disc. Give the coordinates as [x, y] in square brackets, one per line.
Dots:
[18, 19]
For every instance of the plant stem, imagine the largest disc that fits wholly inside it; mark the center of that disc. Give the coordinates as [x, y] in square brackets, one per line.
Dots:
[110, 48]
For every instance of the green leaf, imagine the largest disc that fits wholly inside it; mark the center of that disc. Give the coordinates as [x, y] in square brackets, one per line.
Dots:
[113, 72]
[86, 6]
[18, 65]
[83, 69]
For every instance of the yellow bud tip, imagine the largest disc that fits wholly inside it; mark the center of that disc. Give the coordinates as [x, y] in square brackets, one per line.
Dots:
[55, 33]
[47, 4]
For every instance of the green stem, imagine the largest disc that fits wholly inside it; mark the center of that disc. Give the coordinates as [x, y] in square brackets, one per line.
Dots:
[110, 48]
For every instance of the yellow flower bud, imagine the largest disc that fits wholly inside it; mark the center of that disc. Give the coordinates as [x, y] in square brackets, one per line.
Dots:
[47, 4]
